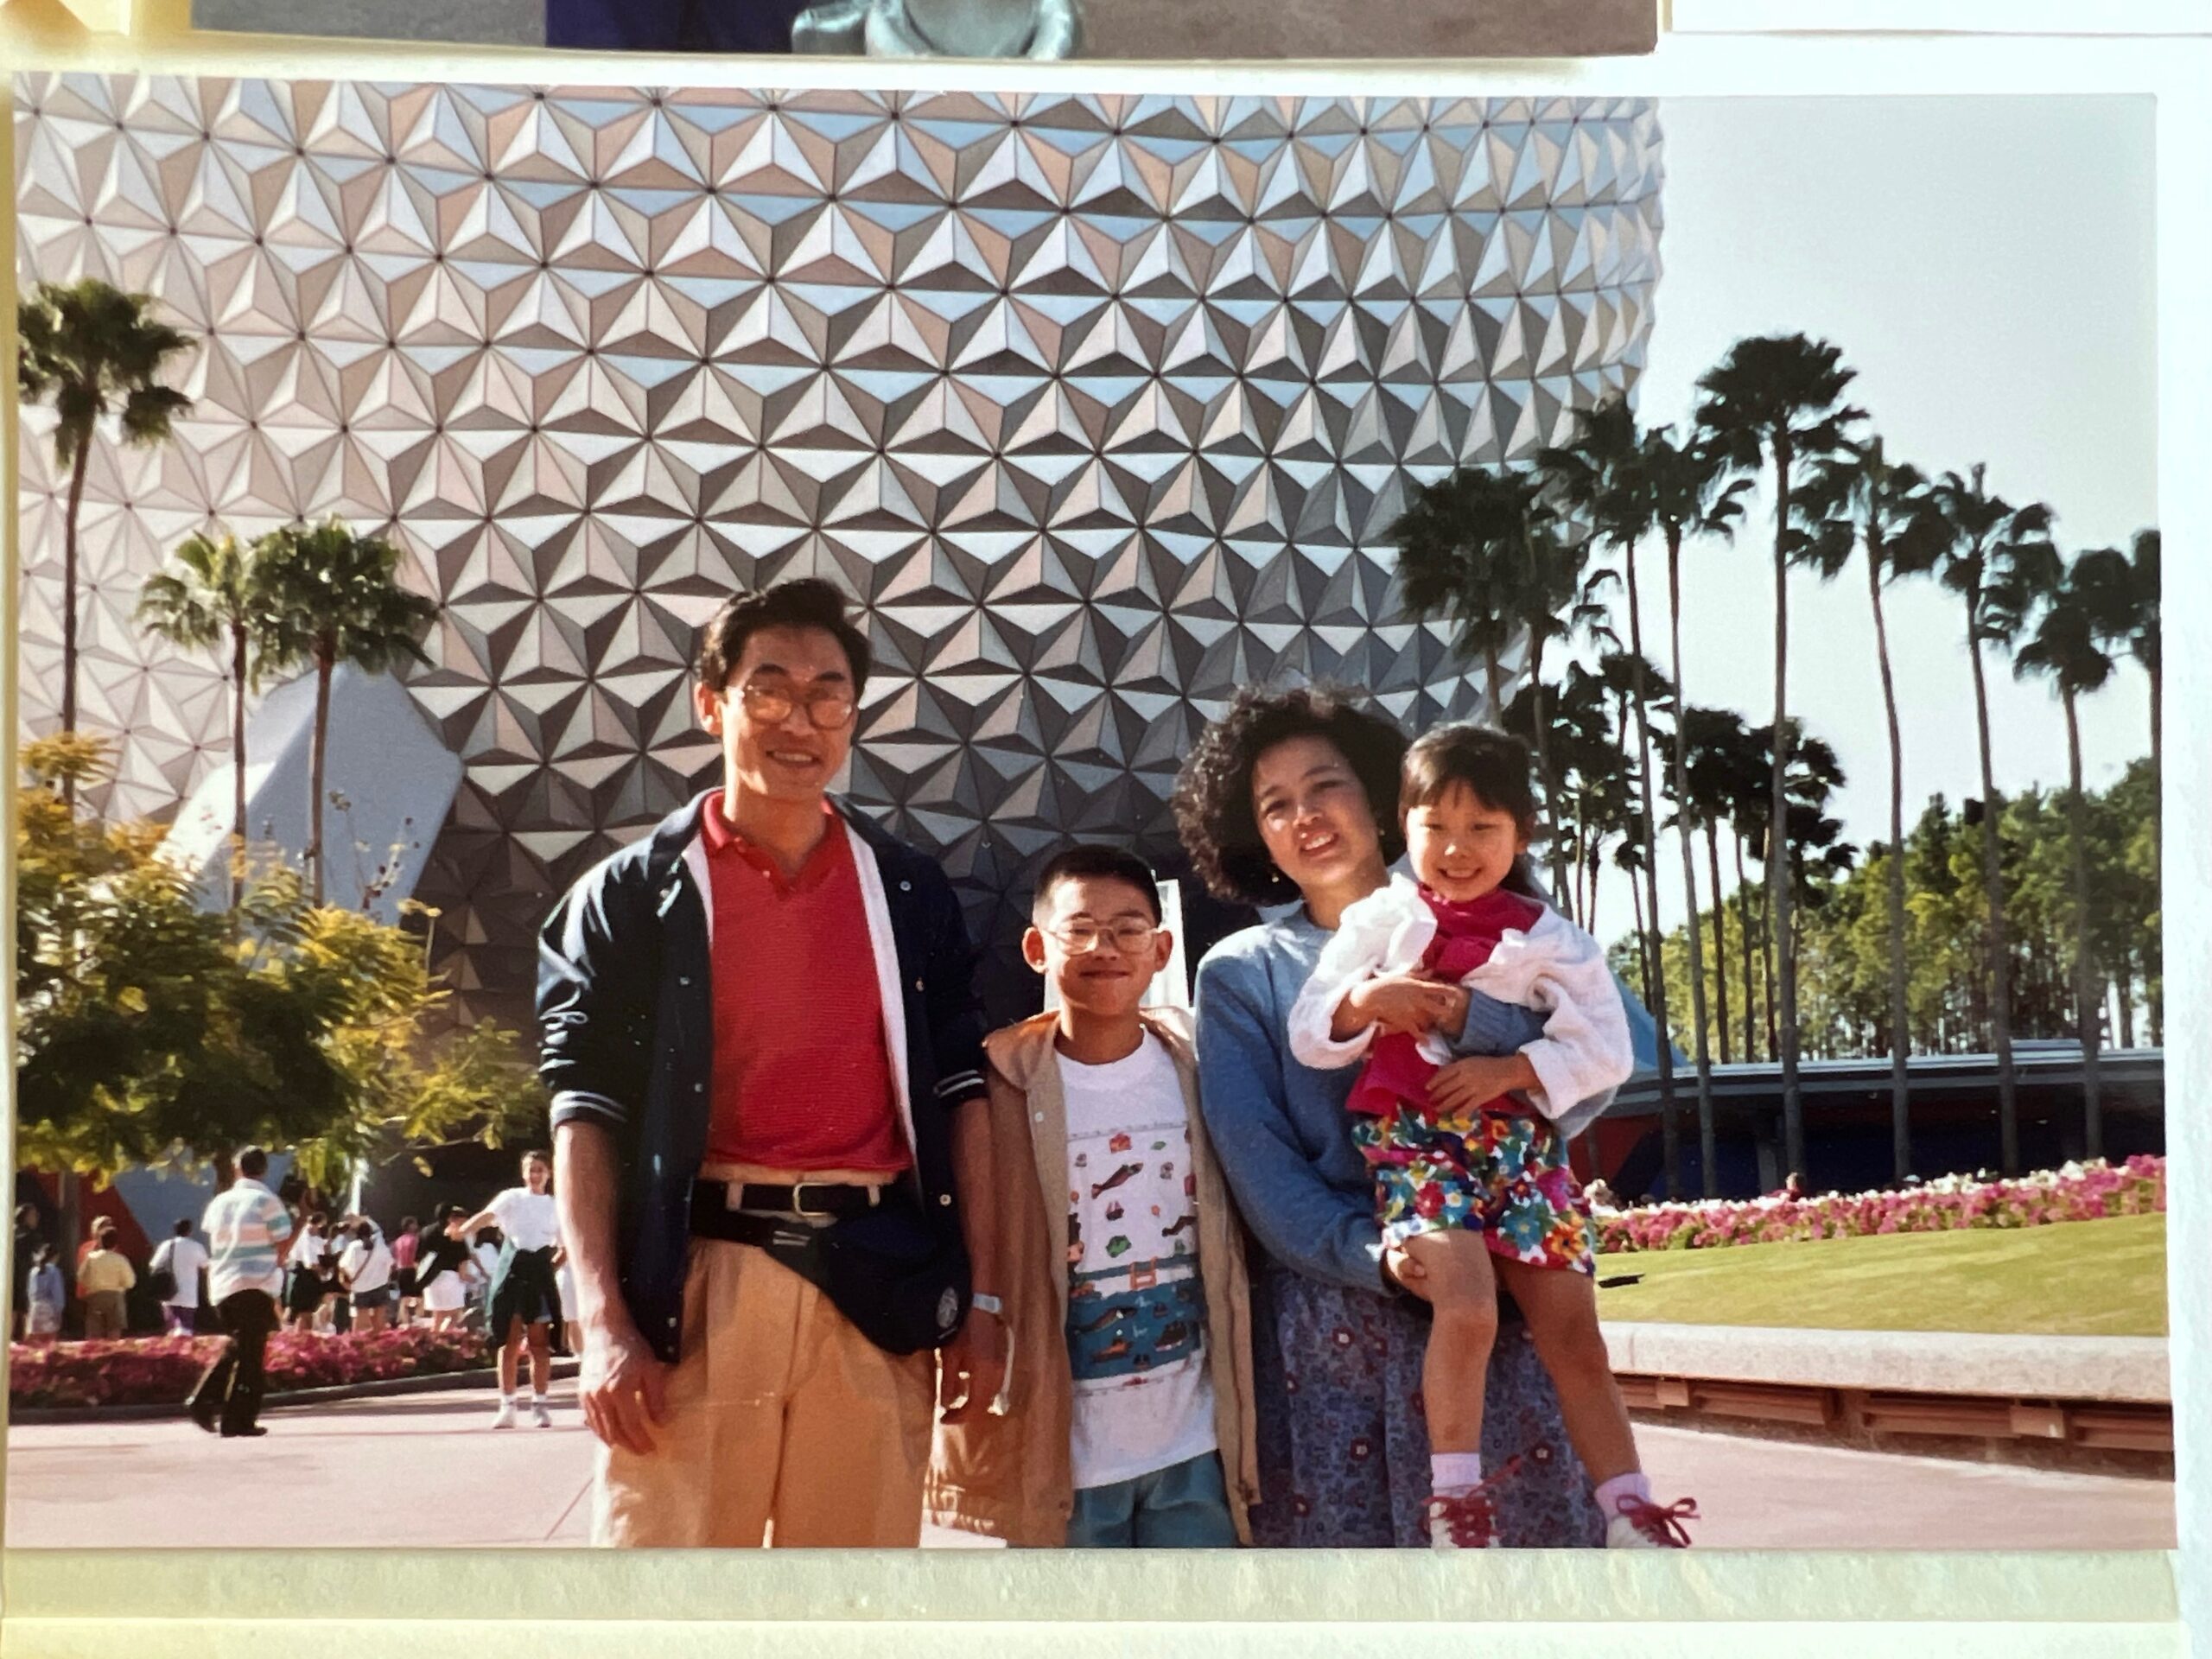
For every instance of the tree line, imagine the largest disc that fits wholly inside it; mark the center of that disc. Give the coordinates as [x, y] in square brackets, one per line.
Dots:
[152, 1029]
[1523, 557]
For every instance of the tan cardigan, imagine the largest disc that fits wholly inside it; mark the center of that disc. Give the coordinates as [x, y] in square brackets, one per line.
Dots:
[1008, 1476]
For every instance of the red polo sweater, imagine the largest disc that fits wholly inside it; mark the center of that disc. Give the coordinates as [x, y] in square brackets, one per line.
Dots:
[802, 1078]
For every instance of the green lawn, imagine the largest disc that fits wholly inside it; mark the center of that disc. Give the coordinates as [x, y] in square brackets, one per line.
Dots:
[2074, 1278]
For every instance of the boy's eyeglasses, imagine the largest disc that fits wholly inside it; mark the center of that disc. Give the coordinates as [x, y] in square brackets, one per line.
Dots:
[1128, 937]
[829, 709]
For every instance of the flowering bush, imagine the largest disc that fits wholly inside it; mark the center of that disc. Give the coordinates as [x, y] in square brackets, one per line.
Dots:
[161, 1370]
[2076, 1193]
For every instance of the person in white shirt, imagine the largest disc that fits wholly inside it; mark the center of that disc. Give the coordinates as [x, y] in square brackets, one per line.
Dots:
[245, 1226]
[366, 1270]
[525, 1297]
[181, 1257]
[302, 1291]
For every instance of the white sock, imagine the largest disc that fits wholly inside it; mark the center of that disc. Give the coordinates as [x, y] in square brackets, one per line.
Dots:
[1610, 1493]
[539, 1397]
[1454, 1474]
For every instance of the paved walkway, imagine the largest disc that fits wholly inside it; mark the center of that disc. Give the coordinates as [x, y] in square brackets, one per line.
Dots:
[425, 1470]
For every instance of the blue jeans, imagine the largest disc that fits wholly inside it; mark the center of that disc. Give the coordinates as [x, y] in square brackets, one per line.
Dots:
[1183, 1506]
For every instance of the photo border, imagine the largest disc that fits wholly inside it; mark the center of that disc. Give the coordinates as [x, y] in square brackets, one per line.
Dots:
[1808, 1604]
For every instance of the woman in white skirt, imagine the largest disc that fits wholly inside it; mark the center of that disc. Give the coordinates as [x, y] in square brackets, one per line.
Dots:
[438, 1267]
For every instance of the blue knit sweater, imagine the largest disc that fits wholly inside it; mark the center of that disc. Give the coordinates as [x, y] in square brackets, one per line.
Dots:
[1279, 1128]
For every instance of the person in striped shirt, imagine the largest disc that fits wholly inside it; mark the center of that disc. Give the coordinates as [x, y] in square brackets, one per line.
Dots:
[245, 1226]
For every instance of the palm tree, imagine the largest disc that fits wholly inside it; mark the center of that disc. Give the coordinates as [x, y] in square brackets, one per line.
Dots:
[1598, 474]
[1484, 549]
[1813, 776]
[1779, 398]
[1461, 544]
[1710, 744]
[1985, 532]
[1634, 681]
[212, 596]
[1865, 500]
[2064, 649]
[2123, 589]
[1690, 496]
[335, 598]
[95, 351]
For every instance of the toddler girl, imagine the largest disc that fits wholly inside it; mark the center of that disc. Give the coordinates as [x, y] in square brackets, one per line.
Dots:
[1470, 1158]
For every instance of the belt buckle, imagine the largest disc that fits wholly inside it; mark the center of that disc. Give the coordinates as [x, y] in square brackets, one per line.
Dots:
[798, 1198]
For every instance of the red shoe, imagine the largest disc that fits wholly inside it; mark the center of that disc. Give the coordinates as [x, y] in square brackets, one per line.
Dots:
[1644, 1525]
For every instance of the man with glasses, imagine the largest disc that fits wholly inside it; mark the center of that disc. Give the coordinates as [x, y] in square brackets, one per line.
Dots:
[760, 1033]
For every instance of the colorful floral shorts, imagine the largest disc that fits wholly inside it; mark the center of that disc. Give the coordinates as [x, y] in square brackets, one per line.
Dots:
[1505, 1177]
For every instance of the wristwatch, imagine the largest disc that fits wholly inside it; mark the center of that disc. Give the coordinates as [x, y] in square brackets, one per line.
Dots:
[984, 1302]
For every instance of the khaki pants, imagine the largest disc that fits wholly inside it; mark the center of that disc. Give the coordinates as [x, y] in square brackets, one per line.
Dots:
[104, 1315]
[782, 1418]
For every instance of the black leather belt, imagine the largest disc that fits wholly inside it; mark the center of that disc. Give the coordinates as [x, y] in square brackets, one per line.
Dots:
[802, 1198]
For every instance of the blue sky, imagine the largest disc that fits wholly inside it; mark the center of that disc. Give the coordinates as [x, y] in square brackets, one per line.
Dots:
[1986, 264]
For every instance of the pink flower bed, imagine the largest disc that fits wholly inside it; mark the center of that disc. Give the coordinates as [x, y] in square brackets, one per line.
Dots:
[2077, 1192]
[161, 1370]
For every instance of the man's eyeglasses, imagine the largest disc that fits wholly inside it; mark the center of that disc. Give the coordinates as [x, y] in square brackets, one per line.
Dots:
[1127, 937]
[831, 708]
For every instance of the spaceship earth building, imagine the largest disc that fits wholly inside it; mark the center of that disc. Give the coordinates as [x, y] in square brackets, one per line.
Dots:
[1098, 405]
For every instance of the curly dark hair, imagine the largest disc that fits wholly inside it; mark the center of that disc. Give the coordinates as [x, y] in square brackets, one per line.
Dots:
[1213, 792]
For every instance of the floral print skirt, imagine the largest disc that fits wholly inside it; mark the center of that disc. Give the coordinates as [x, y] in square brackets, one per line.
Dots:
[1344, 1446]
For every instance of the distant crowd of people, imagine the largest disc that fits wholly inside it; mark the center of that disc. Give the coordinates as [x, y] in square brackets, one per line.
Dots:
[339, 1274]
[268, 1265]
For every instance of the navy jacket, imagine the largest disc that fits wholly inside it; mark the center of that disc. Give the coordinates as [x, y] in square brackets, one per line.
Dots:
[626, 1033]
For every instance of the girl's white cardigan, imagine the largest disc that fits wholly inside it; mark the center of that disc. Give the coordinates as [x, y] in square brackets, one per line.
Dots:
[1554, 968]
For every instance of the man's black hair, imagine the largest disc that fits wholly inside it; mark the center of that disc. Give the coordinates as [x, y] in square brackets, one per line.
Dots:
[803, 602]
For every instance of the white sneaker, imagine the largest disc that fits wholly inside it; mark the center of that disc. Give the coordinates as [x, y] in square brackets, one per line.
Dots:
[1646, 1526]
[1465, 1520]
[505, 1419]
[541, 1413]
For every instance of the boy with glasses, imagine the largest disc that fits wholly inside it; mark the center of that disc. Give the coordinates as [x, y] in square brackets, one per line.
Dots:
[1129, 1390]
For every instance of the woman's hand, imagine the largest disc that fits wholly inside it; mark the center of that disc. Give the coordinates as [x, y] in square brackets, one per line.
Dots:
[1461, 1087]
[1404, 1003]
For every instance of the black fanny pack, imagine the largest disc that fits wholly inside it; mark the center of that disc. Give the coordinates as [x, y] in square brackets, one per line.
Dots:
[902, 1284]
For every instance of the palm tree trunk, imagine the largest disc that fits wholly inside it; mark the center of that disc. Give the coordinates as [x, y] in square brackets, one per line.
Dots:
[2154, 987]
[1544, 757]
[1743, 929]
[1708, 1149]
[1720, 935]
[1777, 844]
[1993, 875]
[325, 663]
[238, 763]
[2086, 994]
[1642, 943]
[1770, 1006]
[2124, 1002]
[77, 471]
[1900, 1011]
[1670, 1127]
[1493, 686]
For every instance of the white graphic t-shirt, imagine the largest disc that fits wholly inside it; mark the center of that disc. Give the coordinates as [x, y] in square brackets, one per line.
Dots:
[1137, 1309]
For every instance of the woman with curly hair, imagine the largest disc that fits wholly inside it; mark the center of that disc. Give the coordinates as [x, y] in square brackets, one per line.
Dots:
[1292, 797]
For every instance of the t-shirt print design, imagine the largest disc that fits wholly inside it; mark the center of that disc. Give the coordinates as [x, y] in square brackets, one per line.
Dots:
[1133, 1302]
